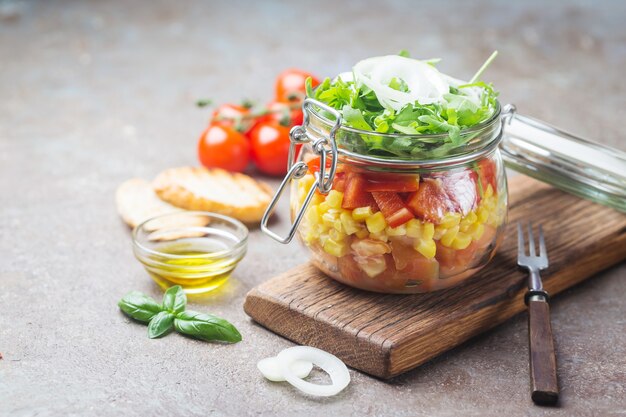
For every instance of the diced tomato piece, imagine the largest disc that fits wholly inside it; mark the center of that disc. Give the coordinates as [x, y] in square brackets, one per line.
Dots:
[397, 183]
[349, 270]
[354, 195]
[314, 165]
[488, 237]
[487, 173]
[431, 201]
[413, 264]
[339, 183]
[392, 207]
[456, 261]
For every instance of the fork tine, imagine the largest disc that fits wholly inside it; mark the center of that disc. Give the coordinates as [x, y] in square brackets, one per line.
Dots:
[520, 242]
[543, 253]
[531, 241]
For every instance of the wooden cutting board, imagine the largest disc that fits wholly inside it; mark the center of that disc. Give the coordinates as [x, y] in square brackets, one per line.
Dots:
[386, 335]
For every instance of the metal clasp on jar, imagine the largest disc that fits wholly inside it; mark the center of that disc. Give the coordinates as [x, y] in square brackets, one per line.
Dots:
[326, 148]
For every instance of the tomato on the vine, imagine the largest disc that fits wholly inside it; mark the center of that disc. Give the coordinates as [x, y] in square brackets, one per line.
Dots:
[290, 85]
[233, 115]
[284, 113]
[223, 147]
[270, 147]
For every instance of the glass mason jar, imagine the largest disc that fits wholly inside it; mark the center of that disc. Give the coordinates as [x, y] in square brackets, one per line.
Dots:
[395, 223]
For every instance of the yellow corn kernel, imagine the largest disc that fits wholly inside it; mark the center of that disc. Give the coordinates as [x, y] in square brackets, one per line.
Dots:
[323, 237]
[317, 198]
[471, 217]
[413, 228]
[312, 215]
[336, 235]
[489, 191]
[306, 181]
[362, 233]
[483, 214]
[350, 226]
[450, 220]
[428, 231]
[338, 226]
[396, 231]
[449, 236]
[334, 199]
[476, 231]
[382, 236]
[309, 237]
[362, 213]
[335, 248]
[329, 219]
[461, 241]
[376, 223]
[426, 247]
[323, 206]
[439, 232]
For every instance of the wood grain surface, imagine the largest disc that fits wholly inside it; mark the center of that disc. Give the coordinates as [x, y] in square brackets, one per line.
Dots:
[386, 335]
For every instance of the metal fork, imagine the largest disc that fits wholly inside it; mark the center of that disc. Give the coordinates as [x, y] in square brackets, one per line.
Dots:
[543, 379]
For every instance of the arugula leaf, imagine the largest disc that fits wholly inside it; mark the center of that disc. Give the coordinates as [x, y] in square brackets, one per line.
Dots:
[174, 299]
[161, 324]
[206, 327]
[139, 306]
[354, 118]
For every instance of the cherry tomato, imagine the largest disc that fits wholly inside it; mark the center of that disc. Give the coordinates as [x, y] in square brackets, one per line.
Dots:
[270, 147]
[290, 85]
[223, 147]
[232, 115]
[285, 113]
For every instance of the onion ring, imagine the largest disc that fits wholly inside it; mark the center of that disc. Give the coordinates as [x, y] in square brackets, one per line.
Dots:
[332, 365]
[271, 370]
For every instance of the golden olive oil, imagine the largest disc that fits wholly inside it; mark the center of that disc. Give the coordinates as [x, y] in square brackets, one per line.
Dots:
[197, 271]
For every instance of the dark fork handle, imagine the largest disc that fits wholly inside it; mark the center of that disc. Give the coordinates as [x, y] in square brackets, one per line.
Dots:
[543, 382]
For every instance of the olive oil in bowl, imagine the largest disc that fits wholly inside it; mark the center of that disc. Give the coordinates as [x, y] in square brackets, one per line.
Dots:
[196, 250]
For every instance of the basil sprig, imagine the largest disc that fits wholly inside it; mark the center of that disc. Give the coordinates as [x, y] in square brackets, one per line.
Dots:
[171, 315]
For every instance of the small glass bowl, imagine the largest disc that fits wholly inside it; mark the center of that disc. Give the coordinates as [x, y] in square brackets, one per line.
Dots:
[197, 250]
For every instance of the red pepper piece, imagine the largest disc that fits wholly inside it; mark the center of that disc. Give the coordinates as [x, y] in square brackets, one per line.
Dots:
[392, 207]
[354, 195]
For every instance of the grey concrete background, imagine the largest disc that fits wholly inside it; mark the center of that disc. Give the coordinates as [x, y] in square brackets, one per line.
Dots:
[94, 92]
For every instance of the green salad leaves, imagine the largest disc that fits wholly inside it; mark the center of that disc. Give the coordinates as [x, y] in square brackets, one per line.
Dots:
[464, 105]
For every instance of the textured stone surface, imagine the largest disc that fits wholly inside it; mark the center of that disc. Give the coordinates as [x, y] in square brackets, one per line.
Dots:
[92, 93]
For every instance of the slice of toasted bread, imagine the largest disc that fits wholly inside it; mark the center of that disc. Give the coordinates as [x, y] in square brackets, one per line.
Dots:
[216, 190]
[136, 202]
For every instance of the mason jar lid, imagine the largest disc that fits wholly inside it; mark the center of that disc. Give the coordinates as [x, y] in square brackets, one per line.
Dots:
[579, 166]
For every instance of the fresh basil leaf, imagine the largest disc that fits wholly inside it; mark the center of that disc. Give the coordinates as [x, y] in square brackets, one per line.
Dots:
[206, 327]
[174, 299]
[160, 324]
[139, 306]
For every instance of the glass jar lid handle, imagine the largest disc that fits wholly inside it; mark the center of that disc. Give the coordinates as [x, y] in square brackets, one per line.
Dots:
[325, 147]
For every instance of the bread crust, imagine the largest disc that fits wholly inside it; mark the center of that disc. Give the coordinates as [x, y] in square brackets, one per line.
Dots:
[136, 202]
[216, 190]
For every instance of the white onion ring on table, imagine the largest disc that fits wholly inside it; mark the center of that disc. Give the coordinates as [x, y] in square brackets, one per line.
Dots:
[332, 365]
[271, 369]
